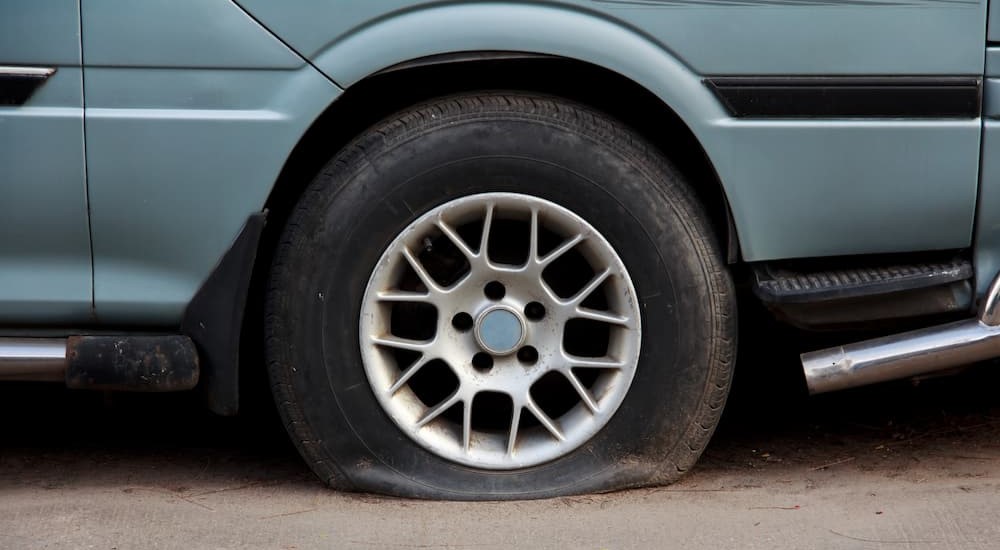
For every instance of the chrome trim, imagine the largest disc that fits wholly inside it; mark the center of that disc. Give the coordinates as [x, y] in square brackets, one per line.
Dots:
[18, 84]
[37, 72]
[989, 310]
[33, 359]
[908, 354]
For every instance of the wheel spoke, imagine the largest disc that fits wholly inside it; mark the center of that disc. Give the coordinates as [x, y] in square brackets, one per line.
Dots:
[544, 419]
[402, 343]
[515, 424]
[403, 296]
[601, 316]
[421, 271]
[466, 423]
[485, 239]
[405, 376]
[563, 248]
[456, 239]
[593, 285]
[533, 239]
[585, 395]
[438, 409]
[551, 294]
[594, 362]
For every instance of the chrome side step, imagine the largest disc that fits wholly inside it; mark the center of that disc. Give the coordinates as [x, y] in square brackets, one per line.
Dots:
[33, 359]
[908, 354]
[127, 363]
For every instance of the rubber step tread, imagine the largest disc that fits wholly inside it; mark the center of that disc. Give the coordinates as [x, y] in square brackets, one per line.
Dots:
[776, 284]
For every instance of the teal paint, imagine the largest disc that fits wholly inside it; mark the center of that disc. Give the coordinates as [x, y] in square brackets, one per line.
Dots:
[746, 37]
[45, 33]
[186, 137]
[792, 191]
[827, 188]
[179, 33]
[171, 185]
[994, 26]
[992, 62]
[987, 245]
[45, 248]
[193, 108]
[987, 258]
[991, 100]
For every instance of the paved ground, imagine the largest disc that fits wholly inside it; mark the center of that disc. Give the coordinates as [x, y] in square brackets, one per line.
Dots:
[895, 466]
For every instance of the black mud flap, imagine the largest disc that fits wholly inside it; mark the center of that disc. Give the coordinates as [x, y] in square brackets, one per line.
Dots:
[214, 318]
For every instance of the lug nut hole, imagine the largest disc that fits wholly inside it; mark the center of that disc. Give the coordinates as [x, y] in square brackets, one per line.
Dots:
[482, 361]
[527, 355]
[462, 322]
[494, 290]
[534, 311]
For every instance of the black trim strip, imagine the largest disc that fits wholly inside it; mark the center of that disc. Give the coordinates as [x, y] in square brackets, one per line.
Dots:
[849, 97]
[810, 3]
[17, 84]
[461, 57]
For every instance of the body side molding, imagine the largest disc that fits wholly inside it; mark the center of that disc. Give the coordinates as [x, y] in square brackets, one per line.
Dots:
[854, 97]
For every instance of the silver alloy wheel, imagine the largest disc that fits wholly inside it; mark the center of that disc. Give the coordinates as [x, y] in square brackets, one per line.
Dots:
[501, 329]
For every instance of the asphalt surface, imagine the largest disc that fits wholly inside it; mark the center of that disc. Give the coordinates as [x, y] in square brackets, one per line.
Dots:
[893, 466]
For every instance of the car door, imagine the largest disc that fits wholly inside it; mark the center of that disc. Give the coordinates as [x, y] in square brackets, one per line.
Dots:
[192, 109]
[45, 265]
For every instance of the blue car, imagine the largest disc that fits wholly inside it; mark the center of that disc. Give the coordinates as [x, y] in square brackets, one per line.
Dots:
[491, 250]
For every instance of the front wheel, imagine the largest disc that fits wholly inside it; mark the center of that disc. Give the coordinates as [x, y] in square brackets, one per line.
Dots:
[499, 296]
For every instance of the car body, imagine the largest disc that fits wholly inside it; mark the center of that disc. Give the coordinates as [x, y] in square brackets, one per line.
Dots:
[143, 145]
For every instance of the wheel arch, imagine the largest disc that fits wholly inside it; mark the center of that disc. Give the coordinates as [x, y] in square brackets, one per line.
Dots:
[386, 60]
[404, 84]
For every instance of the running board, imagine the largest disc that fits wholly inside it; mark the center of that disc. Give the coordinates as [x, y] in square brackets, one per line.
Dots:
[909, 354]
[125, 363]
[811, 295]
[783, 285]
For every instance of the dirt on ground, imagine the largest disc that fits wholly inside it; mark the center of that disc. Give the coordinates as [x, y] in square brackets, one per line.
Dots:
[899, 465]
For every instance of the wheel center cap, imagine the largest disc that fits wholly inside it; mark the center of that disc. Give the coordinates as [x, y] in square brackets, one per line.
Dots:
[499, 330]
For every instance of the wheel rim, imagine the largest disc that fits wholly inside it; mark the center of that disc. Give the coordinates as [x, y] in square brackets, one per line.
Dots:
[500, 331]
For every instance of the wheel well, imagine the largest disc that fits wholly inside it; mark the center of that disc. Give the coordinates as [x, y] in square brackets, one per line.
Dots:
[399, 87]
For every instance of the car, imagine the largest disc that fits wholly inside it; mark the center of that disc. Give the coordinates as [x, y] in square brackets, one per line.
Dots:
[491, 250]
